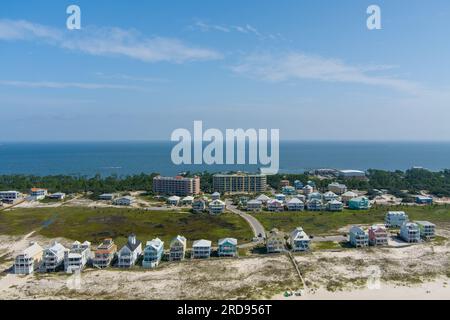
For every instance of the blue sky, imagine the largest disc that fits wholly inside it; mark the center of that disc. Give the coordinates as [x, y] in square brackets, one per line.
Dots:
[309, 68]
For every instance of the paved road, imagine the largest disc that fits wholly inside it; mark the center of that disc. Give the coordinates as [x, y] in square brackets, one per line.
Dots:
[256, 226]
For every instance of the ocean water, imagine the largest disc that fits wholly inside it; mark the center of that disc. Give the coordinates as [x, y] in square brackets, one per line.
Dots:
[125, 158]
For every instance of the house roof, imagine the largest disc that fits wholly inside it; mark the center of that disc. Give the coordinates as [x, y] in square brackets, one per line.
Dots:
[334, 202]
[202, 243]
[188, 198]
[56, 247]
[295, 201]
[232, 241]
[350, 194]
[299, 233]
[32, 250]
[425, 223]
[178, 239]
[263, 197]
[134, 246]
[174, 198]
[258, 202]
[396, 213]
[155, 243]
[356, 229]
[330, 194]
[217, 203]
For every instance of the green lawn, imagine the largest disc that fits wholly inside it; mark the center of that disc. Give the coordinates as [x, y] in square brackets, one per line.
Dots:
[95, 224]
[324, 223]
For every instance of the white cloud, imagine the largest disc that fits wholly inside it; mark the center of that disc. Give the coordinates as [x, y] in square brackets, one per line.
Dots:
[108, 42]
[65, 85]
[294, 65]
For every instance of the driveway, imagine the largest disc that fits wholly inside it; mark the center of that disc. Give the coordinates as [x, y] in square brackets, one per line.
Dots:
[256, 226]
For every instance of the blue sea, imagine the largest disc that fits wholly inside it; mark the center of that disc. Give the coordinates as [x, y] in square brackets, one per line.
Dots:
[125, 158]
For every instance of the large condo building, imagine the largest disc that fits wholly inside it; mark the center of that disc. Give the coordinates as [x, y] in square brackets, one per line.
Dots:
[179, 186]
[239, 182]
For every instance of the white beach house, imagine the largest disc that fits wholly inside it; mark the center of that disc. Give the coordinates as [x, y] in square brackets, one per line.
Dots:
[178, 247]
[216, 207]
[130, 253]
[76, 258]
[254, 206]
[53, 257]
[395, 219]
[410, 232]
[295, 204]
[299, 240]
[29, 259]
[201, 249]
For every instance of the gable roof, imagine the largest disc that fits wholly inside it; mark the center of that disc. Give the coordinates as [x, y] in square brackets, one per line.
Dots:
[263, 198]
[201, 243]
[232, 241]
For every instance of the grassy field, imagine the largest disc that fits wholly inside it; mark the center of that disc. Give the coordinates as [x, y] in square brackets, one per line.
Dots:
[327, 223]
[95, 224]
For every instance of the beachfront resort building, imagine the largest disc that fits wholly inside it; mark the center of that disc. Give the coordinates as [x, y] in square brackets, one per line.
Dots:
[358, 237]
[335, 206]
[29, 259]
[395, 219]
[337, 188]
[314, 205]
[239, 182]
[378, 235]
[38, 193]
[216, 207]
[124, 201]
[359, 203]
[427, 229]
[275, 242]
[254, 206]
[201, 249]
[153, 253]
[299, 240]
[178, 186]
[105, 254]
[275, 205]
[173, 201]
[227, 247]
[410, 232]
[10, 196]
[76, 258]
[198, 206]
[130, 253]
[53, 257]
[178, 247]
[295, 204]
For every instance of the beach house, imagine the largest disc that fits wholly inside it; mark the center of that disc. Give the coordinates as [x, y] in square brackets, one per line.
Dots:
[427, 229]
[201, 249]
[57, 196]
[130, 253]
[395, 219]
[10, 196]
[275, 242]
[215, 196]
[424, 200]
[289, 191]
[153, 253]
[315, 195]
[378, 235]
[307, 190]
[335, 206]
[330, 196]
[280, 197]
[105, 254]
[53, 257]
[29, 259]
[173, 201]
[347, 196]
[38, 193]
[314, 205]
[295, 204]
[124, 201]
[106, 197]
[227, 247]
[337, 188]
[76, 258]
[254, 206]
[275, 205]
[264, 199]
[298, 185]
[216, 207]
[299, 240]
[187, 201]
[359, 203]
[178, 247]
[198, 206]
[410, 232]
[358, 237]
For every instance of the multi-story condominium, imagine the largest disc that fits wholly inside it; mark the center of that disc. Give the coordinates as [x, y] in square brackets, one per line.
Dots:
[105, 254]
[289, 191]
[275, 242]
[427, 229]
[330, 195]
[299, 240]
[358, 237]
[254, 206]
[347, 196]
[124, 201]
[314, 205]
[38, 193]
[76, 258]
[307, 190]
[360, 203]
[173, 200]
[29, 260]
[178, 186]
[295, 204]
[410, 232]
[280, 197]
[215, 196]
[106, 197]
[352, 174]
[395, 219]
[227, 247]
[9, 196]
[187, 201]
[239, 182]
[199, 205]
[201, 249]
[130, 253]
[335, 206]
[53, 257]
[424, 200]
[337, 188]
[275, 205]
[57, 196]
[378, 235]
[178, 247]
[153, 253]
[216, 207]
